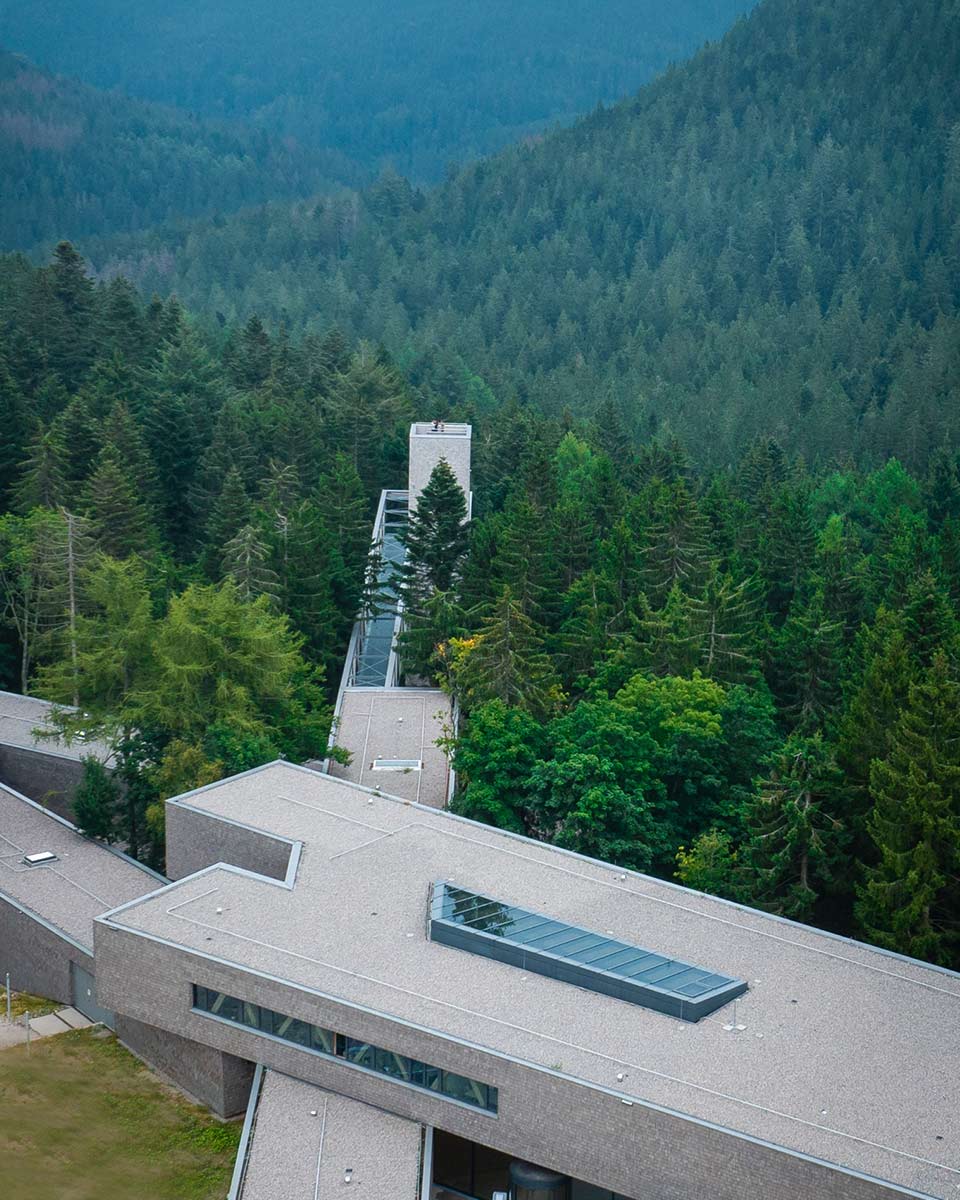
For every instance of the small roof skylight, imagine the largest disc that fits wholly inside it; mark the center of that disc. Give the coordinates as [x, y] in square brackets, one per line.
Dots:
[539, 944]
[40, 858]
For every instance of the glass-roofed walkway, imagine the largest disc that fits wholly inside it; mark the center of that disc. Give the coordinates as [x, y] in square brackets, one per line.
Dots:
[374, 660]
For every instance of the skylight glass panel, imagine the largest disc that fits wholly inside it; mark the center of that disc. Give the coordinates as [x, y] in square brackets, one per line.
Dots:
[545, 946]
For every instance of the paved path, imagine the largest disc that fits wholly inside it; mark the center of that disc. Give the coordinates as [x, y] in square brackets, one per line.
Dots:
[62, 1021]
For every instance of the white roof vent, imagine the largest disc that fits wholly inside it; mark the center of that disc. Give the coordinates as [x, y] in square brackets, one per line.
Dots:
[40, 859]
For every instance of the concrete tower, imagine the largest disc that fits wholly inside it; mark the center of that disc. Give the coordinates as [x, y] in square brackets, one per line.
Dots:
[428, 445]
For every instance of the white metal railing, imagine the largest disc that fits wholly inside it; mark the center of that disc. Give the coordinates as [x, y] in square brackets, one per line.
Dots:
[444, 429]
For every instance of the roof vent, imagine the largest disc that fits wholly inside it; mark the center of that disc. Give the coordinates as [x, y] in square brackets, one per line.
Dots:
[40, 859]
[541, 945]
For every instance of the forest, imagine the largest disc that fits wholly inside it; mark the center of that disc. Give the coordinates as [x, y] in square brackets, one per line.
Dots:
[740, 677]
[416, 85]
[75, 161]
[765, 239]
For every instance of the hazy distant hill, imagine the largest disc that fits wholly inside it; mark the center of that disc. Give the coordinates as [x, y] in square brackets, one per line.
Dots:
[418, 83]
[77, 161]
[765, 241]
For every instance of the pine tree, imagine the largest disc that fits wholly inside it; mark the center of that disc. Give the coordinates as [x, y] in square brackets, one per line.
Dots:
[678, 543]
[526, 560]
[505, 661]
[97, 803]
[793, 841]
[70, 335]
[13, 423]
[724, 617]
[245, 560]
[910, 901]
[44, 472]
[119, 520]
[436, 536]
[807, 664]
[76, 430]
[230, 513]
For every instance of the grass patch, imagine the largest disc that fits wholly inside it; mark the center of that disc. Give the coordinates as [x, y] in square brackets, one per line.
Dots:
[85, 1120]
[21, 1002]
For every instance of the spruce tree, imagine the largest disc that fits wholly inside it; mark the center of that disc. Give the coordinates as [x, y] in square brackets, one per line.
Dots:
[678, 543]
[793, 840]
[97, 803]
[119, 520]
[230, 513]
[505, 661]
[43, 476]
[436, 536]
[910, 901]
[245, 560]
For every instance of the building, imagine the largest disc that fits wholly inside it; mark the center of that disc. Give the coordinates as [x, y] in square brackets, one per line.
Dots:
[45, 768]
[432, 1008]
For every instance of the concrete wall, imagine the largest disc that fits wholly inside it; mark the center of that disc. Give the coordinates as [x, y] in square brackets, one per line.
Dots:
[37, 957]
[426, 450]
[589, 1134]
[46, 778]
[196, 840]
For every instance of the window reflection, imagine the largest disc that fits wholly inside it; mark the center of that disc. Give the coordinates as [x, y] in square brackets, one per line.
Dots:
[353, 1050]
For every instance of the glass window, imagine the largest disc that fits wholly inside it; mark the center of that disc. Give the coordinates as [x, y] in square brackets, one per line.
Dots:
[353, 1050]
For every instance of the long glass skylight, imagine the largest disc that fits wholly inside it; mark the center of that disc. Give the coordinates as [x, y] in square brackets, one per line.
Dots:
[539, 944]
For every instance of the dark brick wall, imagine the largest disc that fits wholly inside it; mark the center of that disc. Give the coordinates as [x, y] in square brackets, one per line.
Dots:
[196, 840]
[37, 958]
[49, 780]
[220, 1081]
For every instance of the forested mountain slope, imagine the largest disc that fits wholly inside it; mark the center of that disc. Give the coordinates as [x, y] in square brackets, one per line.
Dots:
[765, 240]
[76, 161]
[418, 83]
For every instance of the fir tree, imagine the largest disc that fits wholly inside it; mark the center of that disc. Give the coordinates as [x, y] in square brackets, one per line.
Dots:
[230, 513]
[910, 901]
[793, 841]
[119, 519]
[245, 560]
[44, 472]
[97, 803]
[505, 661]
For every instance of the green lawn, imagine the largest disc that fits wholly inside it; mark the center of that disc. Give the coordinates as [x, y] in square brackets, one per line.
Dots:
[82, 1119]
[21, 1002]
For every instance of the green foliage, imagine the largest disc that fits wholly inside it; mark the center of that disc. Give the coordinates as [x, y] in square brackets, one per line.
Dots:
[910, 900]
[96, 802]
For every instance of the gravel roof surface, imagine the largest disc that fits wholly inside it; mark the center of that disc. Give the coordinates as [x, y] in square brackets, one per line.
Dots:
[306, 1138]
[21, 715]
[396, 723]
[847, 1054]
[86, 880]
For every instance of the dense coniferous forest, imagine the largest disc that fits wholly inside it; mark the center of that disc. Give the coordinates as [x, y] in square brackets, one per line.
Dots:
[76, 161]
[744, 677]
[764, 241]
[706, 620]
[418, 84]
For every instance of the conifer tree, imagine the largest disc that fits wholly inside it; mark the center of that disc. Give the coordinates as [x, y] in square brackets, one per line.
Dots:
[76, 430]
[70, 334]
[123, 436]
[13, 422]
[96, 803]
[724, 617]
[910, 901]
[807, 664]
[43, 475]
[678, 543]
[793, 839]
[230, 513]
[505, 661]
[436, 536]
[526, 560]
[245, 560]
[119, 520]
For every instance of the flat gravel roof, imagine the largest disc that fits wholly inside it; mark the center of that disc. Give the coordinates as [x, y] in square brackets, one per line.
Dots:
[377, 724]
[85, 881]
[21, 715]
[306, 1138]
[846, 1053]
